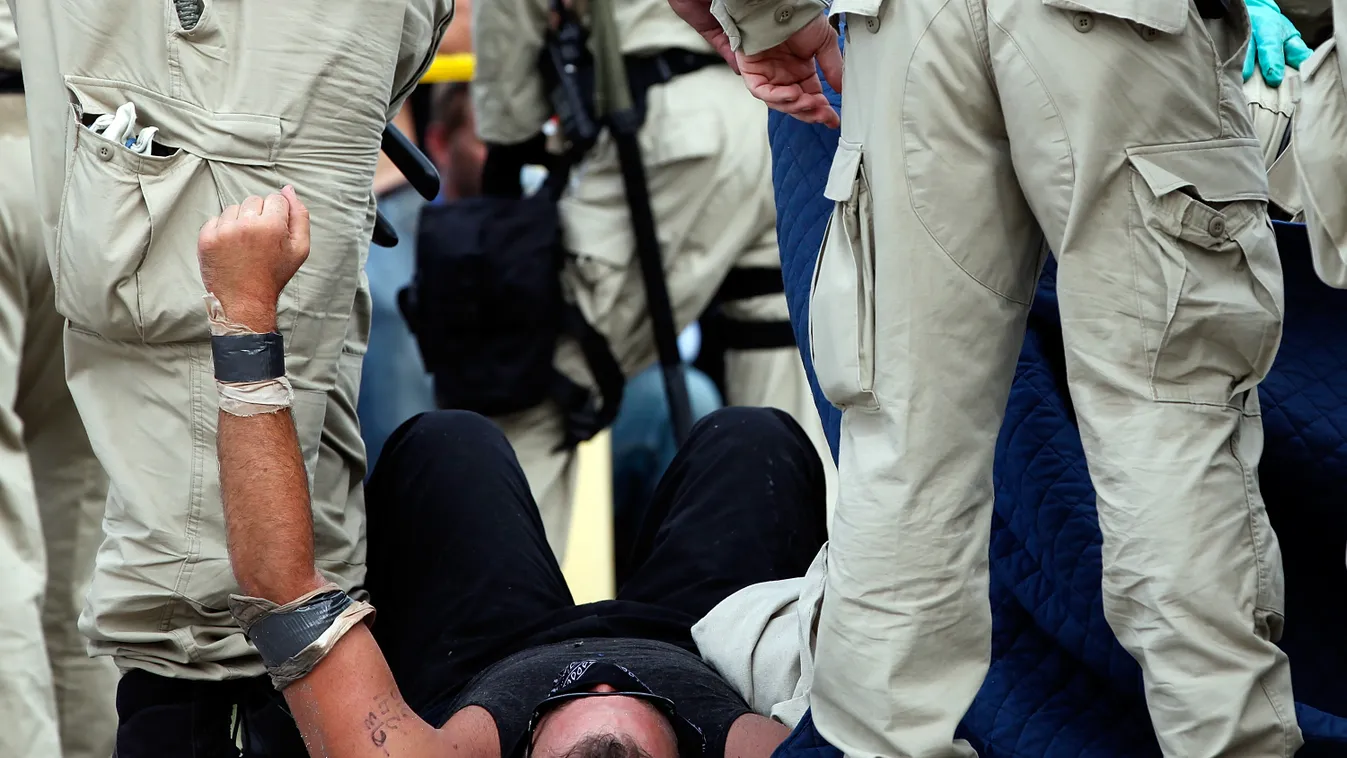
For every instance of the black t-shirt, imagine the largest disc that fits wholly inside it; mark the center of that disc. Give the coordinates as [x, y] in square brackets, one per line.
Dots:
[511, 689]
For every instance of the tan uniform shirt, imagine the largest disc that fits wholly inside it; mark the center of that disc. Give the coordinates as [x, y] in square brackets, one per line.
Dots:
[507, 92]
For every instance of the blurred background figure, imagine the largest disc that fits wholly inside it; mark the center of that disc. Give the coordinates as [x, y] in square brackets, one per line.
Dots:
[395, 386]
[709, 181]
[54, 699]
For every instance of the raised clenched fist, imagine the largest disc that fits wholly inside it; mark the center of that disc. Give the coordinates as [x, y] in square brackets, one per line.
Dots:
[249, 253]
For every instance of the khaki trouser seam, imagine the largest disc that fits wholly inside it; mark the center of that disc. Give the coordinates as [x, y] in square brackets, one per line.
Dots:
[195, 497]
[1260, 573]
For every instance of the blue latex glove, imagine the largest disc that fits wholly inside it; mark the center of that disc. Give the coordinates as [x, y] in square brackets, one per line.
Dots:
[1276, 44]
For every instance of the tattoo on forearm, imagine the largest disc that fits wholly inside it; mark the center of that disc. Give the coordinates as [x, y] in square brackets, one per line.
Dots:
[386, 715]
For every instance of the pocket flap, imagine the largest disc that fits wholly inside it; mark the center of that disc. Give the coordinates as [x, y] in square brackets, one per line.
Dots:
[1162, 15]
[1321, 54]
[1219, 172]
[842, 175]
[238, 138]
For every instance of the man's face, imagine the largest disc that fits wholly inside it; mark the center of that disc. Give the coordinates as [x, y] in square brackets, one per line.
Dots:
[626, 718]
[457, 154]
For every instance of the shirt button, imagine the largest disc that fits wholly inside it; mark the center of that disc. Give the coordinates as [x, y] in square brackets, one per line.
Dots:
[105, 152]
[1148, 33]
[783, 14]
[1216, 227]
[1084, 22]
[872, 24]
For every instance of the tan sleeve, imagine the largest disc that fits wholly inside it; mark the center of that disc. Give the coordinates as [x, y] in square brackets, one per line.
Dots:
[9, 39]
[508, 101]
[423, 24]
[757, 25]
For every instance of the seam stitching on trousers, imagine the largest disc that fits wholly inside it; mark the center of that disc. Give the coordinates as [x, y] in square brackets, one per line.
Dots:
[1258, 567]
[1066, 137]
[194, 502]
[907, 175]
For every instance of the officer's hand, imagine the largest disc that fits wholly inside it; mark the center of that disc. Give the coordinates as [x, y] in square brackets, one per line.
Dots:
[1275, 44]
[697, 14]
[785, 78]
[249, 253]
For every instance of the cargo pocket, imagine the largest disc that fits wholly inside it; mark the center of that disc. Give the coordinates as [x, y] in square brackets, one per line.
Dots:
[841, 297]
[126, 266]
[1208, 274]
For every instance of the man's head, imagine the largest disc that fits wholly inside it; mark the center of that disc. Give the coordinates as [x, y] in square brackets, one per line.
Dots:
[451, 141]
[604, 726]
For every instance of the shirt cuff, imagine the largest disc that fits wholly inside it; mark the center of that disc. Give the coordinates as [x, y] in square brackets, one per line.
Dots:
[757, 25]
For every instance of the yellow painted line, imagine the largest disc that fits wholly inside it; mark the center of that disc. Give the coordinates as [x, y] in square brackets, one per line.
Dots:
[588, 566]
[450, 68]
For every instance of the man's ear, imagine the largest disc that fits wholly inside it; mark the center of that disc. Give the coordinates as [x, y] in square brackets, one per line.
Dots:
[437, 146]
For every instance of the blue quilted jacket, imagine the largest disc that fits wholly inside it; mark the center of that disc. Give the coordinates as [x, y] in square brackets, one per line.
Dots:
[1060, 685]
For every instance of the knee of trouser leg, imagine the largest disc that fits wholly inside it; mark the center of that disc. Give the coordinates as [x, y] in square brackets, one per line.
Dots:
[457, 427]
[440, 433]
[768, 430]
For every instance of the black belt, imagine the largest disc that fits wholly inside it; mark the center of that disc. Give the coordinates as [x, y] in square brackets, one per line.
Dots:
[11, 82]
[738, 334]
[646, 71]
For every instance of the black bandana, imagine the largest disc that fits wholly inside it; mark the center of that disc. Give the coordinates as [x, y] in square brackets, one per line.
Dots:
[582, 676]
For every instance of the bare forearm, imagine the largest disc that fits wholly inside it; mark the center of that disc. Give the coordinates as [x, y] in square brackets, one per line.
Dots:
[350, 707]
[343, 697]
[754, 736]
[266, 506]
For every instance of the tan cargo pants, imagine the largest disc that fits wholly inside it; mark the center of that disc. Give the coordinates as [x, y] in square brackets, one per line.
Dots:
[710, 183]
[1320, 148]
[55, 700]
[1115, 131]
[247, 95]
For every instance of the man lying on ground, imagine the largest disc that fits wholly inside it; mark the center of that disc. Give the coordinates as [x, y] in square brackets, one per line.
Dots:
[479, 650]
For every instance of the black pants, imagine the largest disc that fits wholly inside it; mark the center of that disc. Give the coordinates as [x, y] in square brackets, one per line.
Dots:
[461, 574]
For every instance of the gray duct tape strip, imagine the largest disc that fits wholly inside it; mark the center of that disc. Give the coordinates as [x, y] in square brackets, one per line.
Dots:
[248, 357]
[281, 635]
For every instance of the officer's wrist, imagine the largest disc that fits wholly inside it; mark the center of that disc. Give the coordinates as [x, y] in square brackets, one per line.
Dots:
[250, 313]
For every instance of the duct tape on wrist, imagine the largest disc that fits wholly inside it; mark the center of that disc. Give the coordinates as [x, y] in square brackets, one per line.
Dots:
[256, 356]
[293, 638]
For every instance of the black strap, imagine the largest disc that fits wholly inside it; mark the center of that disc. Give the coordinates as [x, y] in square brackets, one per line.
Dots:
[747, 283]
[625, 127]
[644, 72]
[584, 418]
[11, 82]
[757, 335]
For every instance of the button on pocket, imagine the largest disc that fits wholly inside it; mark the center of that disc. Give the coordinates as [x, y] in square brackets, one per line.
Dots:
[1208, 272]
[841, 300]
